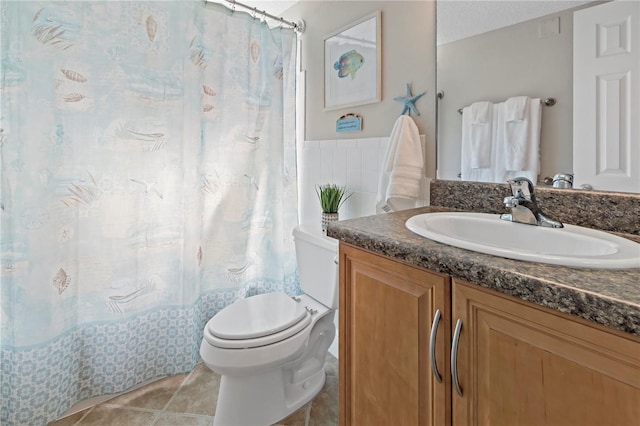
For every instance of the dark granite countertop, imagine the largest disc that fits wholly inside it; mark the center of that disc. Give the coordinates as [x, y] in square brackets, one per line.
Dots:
[607, 297]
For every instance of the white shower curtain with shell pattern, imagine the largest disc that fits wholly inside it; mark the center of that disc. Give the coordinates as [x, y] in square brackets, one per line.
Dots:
[148, 180]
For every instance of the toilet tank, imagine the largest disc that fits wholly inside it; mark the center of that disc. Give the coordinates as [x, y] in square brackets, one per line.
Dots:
[316, 255]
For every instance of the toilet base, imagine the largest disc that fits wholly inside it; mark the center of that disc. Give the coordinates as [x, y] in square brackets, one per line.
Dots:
[263, 399]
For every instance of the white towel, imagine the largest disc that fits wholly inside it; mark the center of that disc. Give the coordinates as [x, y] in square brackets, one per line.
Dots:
[478, 129]
[472, 155]
[516, 108]
[480, 112]
[518, 139]
[518, 144]
[402, 168]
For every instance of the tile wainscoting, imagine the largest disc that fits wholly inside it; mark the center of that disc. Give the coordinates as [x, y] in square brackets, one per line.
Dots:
[354, 163]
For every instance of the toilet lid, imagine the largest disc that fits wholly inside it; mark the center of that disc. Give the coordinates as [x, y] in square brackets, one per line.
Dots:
[257, 316]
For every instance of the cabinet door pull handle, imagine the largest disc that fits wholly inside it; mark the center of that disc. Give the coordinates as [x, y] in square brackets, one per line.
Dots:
[454, 356]
[432, 345]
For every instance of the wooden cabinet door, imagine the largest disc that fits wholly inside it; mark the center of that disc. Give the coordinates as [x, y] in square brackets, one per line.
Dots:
[386, 313]
[520, 364]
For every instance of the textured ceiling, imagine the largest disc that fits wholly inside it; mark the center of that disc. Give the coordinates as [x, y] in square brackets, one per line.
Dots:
[458, 19]
[274, 7]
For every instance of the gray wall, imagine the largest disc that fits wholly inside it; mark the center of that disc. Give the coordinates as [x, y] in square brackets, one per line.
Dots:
[509, 62]
[408, 56]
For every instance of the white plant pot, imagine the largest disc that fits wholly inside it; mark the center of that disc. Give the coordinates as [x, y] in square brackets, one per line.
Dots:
[326, 218]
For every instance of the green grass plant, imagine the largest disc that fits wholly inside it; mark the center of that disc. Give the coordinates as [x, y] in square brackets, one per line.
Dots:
[332, 197]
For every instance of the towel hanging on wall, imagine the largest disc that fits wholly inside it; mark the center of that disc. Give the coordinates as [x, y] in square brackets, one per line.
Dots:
[516, 131]
[478, 142]
[402, 168]
[479, 130]
[514, 141]
[515, 108]
[518, 149]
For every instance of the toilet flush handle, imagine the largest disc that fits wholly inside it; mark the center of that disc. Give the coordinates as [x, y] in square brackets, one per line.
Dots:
[335, 260]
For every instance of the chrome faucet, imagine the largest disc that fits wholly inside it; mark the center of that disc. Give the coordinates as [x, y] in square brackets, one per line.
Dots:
[524, 208]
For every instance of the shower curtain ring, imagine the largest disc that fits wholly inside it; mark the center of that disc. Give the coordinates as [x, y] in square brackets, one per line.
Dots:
[281, 23]
[253, 14]
[233, 5]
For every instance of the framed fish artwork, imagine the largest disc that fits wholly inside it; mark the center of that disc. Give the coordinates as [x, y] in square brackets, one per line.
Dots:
[352, 64]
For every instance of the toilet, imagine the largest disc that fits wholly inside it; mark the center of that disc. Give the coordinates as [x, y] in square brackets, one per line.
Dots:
[270, 348]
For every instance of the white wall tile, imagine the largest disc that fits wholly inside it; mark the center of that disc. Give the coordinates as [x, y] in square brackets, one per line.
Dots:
[354, 169]
[354, 163]
[326, 164]
[370, 177]
[347, 143]
[312, 166]
[340, 166]
[370, 157]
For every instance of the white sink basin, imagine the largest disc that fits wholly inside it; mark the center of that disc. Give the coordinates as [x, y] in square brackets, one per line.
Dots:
[573, 246]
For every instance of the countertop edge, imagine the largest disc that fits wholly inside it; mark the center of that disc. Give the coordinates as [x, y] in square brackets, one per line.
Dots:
[528, 281]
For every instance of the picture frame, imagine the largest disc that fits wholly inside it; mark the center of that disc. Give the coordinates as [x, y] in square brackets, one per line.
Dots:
[352, 64]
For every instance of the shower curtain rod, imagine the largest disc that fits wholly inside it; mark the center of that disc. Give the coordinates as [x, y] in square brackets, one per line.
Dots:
[298, 27]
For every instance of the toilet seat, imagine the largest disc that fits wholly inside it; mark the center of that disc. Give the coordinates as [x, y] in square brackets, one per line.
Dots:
[259, 320]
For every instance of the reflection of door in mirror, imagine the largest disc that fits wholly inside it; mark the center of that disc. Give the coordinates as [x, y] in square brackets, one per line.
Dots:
[529, 52]
[606, 96]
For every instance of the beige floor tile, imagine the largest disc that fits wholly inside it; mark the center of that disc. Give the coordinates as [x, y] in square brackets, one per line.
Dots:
[324, 407]
[104, 415]
[299, 418]
[154, 395]
[198, 393]
[331, 366]
[326, 402]
[70, 420]
[191, 399]
[170, 419]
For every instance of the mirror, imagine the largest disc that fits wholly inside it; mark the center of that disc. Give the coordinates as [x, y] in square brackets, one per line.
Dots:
[493, 50]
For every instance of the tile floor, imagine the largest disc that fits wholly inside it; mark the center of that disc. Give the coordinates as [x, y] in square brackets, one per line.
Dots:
[190, 399]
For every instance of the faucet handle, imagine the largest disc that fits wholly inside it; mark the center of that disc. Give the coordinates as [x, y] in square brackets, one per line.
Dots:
[510, 202]
[522, 187]
[563, 180]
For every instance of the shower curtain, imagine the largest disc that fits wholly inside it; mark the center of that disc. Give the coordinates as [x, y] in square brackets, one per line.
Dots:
[148, 180]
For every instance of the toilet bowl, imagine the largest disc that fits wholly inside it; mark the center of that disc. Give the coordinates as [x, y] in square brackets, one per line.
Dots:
[270, 348]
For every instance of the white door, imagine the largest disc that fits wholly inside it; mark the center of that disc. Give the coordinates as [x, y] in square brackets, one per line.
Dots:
[606, 96]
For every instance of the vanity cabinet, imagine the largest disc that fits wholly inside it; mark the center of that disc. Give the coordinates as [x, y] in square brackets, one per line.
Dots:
[516, 362]
[386, 313]
[520, 363]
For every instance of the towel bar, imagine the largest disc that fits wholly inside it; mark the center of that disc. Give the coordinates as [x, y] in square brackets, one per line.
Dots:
[546, 102]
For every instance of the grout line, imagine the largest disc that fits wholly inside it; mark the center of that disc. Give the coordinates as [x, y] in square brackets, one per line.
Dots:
[189, 415]
[128, 407]
[307, 417]
[83, 416]
[183, 414]
[155, 419]
[157, 413]
[179, 388]
[180, 415]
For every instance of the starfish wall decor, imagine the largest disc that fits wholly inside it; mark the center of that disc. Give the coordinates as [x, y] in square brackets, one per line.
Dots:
[408, 102]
